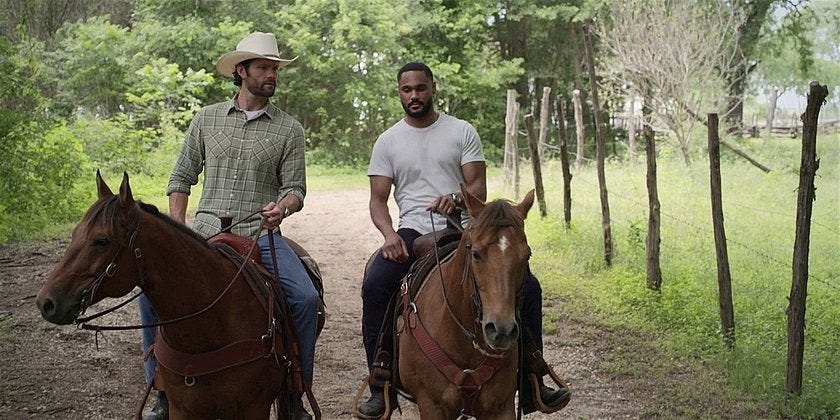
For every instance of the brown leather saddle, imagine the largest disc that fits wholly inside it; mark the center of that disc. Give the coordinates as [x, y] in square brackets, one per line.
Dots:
[250, 250]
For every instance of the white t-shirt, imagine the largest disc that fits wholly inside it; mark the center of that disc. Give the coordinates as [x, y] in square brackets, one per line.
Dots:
[425, 163]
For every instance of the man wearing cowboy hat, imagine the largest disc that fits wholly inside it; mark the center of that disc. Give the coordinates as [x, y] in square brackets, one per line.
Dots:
[252, 156]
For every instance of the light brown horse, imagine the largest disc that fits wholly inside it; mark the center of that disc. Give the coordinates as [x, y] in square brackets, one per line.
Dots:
[458, 336]
[120, 244]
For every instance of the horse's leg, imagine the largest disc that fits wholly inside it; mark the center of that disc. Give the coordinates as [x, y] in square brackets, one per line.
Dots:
[507, 413]
[176, 413]
[430, 410]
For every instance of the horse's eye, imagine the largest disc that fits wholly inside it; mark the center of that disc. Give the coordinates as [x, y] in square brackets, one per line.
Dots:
[101, 242]
[476, 255]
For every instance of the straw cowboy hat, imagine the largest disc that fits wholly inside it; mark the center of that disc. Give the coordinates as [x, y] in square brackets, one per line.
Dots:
[256, 45]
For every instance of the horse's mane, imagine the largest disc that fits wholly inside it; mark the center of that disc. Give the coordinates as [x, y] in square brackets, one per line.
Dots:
[153, 210]
[110, 204]
[499, 213]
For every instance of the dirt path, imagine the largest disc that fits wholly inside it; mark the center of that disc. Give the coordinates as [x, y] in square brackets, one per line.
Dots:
[48, 371]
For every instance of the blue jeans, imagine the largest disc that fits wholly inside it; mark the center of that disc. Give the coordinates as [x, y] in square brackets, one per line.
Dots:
[148, 316]
[300, 293]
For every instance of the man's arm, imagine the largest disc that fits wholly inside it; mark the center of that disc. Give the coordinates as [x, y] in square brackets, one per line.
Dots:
[394, 248]
[475, 178]
[178, 206]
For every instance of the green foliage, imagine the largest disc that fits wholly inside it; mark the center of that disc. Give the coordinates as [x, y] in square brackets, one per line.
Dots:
[40, 187]
[760, 218]
[114, 145]
[161, 95]
[192, 44]
[91, 67]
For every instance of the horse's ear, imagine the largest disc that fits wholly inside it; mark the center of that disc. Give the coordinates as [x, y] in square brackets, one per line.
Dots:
[125, 192]
[101, 186]
[526, 204]
[474, 205]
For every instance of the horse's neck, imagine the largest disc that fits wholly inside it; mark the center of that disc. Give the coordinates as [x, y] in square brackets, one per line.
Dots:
[181, 273]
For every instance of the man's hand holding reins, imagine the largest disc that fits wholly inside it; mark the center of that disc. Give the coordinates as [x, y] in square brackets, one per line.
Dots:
[394, 248]
[273, 214]
[445, 204]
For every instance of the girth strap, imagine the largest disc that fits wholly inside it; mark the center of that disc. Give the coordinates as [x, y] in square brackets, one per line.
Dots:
[191, 365]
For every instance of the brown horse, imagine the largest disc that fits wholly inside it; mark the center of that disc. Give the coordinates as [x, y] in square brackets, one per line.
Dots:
[458, 336]
[121, 244]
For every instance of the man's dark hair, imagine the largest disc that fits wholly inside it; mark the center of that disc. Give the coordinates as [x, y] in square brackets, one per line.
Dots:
[237, 80]
[415, 66]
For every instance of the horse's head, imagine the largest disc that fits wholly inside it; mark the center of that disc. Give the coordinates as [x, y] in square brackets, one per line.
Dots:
[87, 272]
[499, 254]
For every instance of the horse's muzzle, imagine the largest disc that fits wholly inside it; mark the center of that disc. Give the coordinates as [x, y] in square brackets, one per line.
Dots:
[500, 337]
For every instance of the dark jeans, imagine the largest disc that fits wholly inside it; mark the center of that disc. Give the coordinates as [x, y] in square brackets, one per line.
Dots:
[383, 280]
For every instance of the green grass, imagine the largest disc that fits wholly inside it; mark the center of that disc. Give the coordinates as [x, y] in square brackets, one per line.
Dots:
[759, 212]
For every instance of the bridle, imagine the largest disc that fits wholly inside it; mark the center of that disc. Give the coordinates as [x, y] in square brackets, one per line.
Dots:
[477, 307]
[129, 243]
[88, 293]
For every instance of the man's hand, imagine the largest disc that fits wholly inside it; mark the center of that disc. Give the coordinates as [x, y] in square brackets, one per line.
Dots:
[394, 248]
[444, 204]
[273, 214]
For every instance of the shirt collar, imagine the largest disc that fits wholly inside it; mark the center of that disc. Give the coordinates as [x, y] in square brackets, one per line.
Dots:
[270, 109]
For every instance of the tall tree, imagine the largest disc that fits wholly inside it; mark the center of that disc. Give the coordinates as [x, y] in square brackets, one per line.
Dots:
[755, 14]
[676, 52]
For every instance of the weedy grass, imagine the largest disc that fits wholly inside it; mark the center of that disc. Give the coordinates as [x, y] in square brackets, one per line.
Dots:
[760, 215]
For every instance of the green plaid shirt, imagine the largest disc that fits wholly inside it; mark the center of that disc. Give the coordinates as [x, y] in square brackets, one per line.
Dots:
[246, 164]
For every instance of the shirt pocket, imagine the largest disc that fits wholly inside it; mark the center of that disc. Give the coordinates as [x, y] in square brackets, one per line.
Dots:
[267, 152]
[218, 145]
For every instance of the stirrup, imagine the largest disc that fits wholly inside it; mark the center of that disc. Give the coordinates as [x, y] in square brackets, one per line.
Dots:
[386, 415]
[538, 402]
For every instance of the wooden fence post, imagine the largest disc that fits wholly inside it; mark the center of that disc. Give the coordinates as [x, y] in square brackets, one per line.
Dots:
[545, 104]
[579, 128]
[564, 163]
[511, 160]
[631, 130]
[727, 315]
[804, 205]
[654, 270]
[535, 163]
[601, 150]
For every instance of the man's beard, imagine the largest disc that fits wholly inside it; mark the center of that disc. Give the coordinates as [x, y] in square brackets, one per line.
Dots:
[427, 107]
[265, 90]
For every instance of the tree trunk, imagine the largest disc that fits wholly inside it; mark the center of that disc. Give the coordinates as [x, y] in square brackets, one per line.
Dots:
[600, 151]
[756, 12]
[771, 114]
[804, 206]
[535, 163]
[727, 314]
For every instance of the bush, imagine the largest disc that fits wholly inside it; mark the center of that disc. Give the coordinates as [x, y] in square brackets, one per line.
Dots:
[41, 186]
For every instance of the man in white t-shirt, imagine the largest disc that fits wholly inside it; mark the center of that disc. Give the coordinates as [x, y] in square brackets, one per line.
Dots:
[426, 156]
